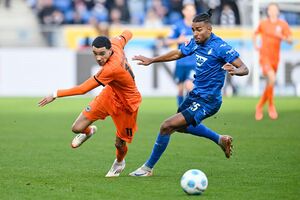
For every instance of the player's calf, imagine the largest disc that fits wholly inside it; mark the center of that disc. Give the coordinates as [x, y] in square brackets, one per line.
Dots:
[80, 138]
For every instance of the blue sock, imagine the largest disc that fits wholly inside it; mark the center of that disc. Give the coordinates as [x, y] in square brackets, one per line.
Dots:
[159, 147]
[203, 131]
[179, 100]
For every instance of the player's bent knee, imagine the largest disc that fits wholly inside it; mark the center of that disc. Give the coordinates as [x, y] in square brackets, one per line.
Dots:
[166, 127]
[76, 129]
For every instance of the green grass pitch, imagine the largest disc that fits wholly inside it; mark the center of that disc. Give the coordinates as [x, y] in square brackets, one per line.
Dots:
[37, 162]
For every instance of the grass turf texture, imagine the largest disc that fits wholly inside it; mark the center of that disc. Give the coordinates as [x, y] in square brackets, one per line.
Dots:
[37, 162]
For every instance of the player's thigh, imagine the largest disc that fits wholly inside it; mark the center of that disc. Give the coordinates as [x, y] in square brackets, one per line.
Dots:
[126, 124]
[81, 123]
[173, 123]
[265, 64]
[199, 110]
[100, 107]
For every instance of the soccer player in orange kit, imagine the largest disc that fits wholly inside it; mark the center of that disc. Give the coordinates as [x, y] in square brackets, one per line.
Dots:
[272, 30]
[119, 99]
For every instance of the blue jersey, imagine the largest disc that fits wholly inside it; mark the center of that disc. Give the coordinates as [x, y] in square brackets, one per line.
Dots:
[180, 28]
[210, 57]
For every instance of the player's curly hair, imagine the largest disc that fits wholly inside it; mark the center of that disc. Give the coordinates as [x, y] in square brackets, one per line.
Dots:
[101, 41]
[203, 17]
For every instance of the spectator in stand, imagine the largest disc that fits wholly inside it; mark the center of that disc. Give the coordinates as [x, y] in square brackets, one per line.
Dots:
[90, 3]
[63, 5]
[174, 10]
[80, 13]
[137, 10]
[216, 6]
[100, 12]
[119, 12]
[115, 17]
[229, 13]
[49, 16]
[152, 20]
[160, 10]
[227, 17]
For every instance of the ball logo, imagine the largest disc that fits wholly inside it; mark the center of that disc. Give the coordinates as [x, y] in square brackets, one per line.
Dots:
[88, 109]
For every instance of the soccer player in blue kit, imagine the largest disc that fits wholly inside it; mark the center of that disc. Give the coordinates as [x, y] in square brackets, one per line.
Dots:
[214, 58]
[182, 33]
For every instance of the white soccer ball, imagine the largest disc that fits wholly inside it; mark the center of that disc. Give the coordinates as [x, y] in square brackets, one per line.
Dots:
[194, 181]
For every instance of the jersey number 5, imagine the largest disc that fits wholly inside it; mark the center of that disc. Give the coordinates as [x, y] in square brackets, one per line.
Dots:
[195, 106]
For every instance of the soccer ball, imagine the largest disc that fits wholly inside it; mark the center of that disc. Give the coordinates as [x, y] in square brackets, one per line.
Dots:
[194, 182]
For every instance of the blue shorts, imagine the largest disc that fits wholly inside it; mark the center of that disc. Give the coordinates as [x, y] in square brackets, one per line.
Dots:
[183, 73]
[195, 108]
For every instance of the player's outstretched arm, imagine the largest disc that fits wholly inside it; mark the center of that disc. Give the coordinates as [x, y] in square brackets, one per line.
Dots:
[172, 55]
[83, 88]
[237, 67]
[46, 100]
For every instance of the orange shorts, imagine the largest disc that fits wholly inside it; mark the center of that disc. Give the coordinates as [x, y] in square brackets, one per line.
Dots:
[107, 104]
[267, 64]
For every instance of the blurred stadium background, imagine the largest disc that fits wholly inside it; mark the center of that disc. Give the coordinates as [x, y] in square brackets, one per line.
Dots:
[44, 44]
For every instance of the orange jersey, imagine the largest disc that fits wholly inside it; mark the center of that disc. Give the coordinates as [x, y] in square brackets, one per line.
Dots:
[116, 73]
[271, 36]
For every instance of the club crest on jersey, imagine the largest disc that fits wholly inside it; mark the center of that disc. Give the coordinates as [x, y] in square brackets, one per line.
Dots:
[200, 60]
[88, 109]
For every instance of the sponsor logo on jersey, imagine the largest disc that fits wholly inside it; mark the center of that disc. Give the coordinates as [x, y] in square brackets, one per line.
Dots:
[200, 60]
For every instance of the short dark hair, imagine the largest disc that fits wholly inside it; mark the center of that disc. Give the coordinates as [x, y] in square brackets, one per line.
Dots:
[203, 17]
[101, 41]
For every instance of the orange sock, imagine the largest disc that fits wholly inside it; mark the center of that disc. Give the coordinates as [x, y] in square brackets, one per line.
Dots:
[121, 153]
[87, 130]
[264, 97]
[270, 96]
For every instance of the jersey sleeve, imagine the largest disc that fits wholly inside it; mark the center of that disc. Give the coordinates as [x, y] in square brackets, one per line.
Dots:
[83, 88]
[188, 48]
[227, 53]
[104, 76]
[122, 39]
